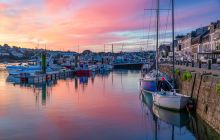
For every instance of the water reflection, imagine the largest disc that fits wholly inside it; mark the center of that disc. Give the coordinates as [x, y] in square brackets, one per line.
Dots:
[172, 125]
[103, 106]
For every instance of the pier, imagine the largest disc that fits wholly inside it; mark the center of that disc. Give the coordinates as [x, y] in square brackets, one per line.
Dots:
[135, 66]
[41, 78]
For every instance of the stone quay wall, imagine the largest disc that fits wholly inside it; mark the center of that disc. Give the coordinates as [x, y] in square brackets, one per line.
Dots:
[202, 88]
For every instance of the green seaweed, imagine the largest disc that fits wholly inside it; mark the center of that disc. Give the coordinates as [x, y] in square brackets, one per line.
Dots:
[218, 88]
[189, 75]
[186, 76]
[177, 72]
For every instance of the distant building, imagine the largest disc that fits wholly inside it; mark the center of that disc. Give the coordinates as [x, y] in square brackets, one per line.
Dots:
[204, 41]
[186, 42]
[205, 44]
[178, 43]
[215, 36]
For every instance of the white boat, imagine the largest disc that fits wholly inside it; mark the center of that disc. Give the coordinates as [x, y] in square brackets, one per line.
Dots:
[105, 68]
[30, 68]
[170, 100]
[93, 68]
[15, 70]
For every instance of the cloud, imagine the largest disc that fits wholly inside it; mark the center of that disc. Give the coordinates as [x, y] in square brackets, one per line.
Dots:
[63, 23]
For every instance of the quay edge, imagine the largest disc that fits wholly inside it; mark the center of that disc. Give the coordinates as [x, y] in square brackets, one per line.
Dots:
[202, 88]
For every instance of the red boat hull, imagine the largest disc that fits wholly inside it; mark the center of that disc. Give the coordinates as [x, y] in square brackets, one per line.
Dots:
[83, 72]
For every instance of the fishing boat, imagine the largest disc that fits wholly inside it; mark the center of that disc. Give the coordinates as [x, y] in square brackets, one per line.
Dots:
[83, 70]
[170, 99]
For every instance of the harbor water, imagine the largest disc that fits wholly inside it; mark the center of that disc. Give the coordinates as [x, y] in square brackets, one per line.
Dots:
[106, 106]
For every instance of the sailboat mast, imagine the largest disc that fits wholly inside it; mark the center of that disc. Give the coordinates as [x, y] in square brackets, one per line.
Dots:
[173, 43]
[157, 35]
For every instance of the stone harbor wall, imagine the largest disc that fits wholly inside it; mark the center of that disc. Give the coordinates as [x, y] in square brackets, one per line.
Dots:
[202, 88]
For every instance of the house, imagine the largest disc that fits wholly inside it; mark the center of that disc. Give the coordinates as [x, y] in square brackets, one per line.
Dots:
[197, 40]
[186, 49]
[215, 36]
[205, 44]
[178, 43]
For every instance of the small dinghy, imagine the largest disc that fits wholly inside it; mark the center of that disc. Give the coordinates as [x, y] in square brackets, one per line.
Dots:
[170, 100]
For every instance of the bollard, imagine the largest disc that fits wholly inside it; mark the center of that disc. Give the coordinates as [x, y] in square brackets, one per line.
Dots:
[209, 64]
[187, 63]
[200, 64]
[192, 63]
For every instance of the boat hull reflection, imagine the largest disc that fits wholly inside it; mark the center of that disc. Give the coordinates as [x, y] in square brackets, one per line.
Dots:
[178, 119]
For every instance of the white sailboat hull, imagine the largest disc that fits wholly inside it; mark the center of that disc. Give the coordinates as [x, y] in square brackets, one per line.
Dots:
[170, 100]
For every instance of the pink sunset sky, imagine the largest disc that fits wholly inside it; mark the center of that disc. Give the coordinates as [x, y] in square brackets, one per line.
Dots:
[65, 24]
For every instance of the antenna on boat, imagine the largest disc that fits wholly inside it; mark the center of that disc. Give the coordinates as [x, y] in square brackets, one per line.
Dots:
[45, 47]
[112, 47]
[78, 46]
[122, 47]
[157, 36]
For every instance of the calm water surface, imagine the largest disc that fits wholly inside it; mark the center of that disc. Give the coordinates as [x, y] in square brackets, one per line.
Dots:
[102, 107]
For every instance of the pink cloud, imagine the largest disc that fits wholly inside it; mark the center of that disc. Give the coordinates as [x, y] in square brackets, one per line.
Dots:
[62, 23]
[3, 6]
[56, 5]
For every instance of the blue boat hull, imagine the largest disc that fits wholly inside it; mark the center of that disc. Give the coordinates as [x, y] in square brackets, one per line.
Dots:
[148, 85]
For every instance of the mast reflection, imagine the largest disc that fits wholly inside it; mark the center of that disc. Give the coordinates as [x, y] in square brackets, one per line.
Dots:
[173, 124]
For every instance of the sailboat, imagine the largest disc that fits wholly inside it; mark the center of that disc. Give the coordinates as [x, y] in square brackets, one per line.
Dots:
[150, 80]
[170, 99]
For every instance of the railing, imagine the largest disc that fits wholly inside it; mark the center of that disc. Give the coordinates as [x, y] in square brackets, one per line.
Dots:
[207, 65]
